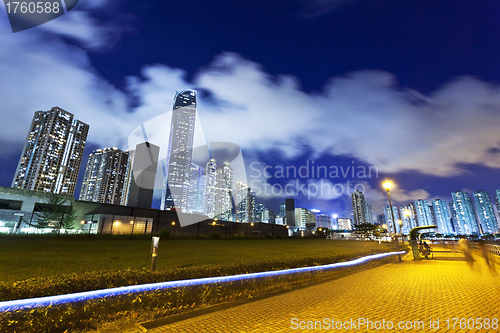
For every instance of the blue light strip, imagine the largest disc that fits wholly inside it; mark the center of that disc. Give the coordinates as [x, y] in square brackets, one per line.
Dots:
[30, 303]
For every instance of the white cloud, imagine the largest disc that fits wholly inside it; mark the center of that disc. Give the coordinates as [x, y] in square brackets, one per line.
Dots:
[363, 114]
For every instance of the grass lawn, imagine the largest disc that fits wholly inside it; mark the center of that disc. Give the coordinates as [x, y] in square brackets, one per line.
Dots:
[23, 258]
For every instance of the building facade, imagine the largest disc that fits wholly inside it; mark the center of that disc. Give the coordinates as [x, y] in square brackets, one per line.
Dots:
[359, 207]
[197, 193]
[52, 153]
[105, 176]
[464, 213]
[180, 151]
[488, 223]
[442, 217]
[423, 213]
[141, 183]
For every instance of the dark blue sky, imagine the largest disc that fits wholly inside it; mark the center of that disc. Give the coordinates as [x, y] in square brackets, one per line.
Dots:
[414, 51]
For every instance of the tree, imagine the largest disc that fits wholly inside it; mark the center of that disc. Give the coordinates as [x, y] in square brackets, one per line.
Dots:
[366, 230]
[54, 213]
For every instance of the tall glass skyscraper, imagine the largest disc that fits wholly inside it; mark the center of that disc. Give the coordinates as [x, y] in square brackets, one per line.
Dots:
[197, 193]
[464, 213]
[52, 154]
[359, 207]
[442, 216]
[180, 151]
[487, 219]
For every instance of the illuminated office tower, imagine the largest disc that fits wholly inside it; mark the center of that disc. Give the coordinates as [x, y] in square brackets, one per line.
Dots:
[241, 205]
[368, 213]
[487, 219]
[128, 178]
[305, 218]
[210, 188]
[423, 213]
[224, 193]
[259, 211]
[180, 151]
[196, 196]
[52, 153]
[282, 210]
[388, 218]
[464, 213]
[359, 207]
[104, 176]
[442, 216]
[245, 207]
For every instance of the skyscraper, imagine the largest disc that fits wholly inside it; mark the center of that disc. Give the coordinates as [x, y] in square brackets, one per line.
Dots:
[487, 219]
[128, 177]
[52, 153]
[210, 188]
[142, 181]
[423, 212]
[180, 151]
[388, 218]
[224, 192]
[197, 193]
[442, 216]
[359, 207]
[219, 191]
[105, 176]
[464, 213]
[242, 206]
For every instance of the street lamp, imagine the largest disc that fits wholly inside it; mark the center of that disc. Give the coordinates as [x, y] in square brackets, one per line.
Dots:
[387, 185]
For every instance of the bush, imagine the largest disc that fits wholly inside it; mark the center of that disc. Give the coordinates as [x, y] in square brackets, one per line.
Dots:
[214, 235]
[164, 233]
[154, 304]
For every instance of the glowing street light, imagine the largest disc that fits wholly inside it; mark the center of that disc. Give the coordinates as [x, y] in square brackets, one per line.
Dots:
[387, 185]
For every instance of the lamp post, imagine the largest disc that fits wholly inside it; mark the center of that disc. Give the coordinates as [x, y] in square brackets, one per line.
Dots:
[387, 185]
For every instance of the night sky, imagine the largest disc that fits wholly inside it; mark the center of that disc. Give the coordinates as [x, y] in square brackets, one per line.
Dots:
[407, 87]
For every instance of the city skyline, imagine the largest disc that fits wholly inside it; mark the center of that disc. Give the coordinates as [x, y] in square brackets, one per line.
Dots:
[375, 88]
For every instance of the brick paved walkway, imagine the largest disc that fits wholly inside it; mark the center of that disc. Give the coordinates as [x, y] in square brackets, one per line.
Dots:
[408, 291]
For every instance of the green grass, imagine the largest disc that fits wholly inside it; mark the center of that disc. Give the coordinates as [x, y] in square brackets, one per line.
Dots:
[23, 258]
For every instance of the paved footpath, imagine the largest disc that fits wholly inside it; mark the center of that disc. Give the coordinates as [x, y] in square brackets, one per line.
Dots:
[408, 291]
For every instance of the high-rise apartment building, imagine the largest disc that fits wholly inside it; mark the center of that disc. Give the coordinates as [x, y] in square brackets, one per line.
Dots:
[388, 218]
[423, 213]
[497, 200]
[464, 213]
[180, 151]
[105, 176]
[52, 153]
[487, 219]
[442, 217]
